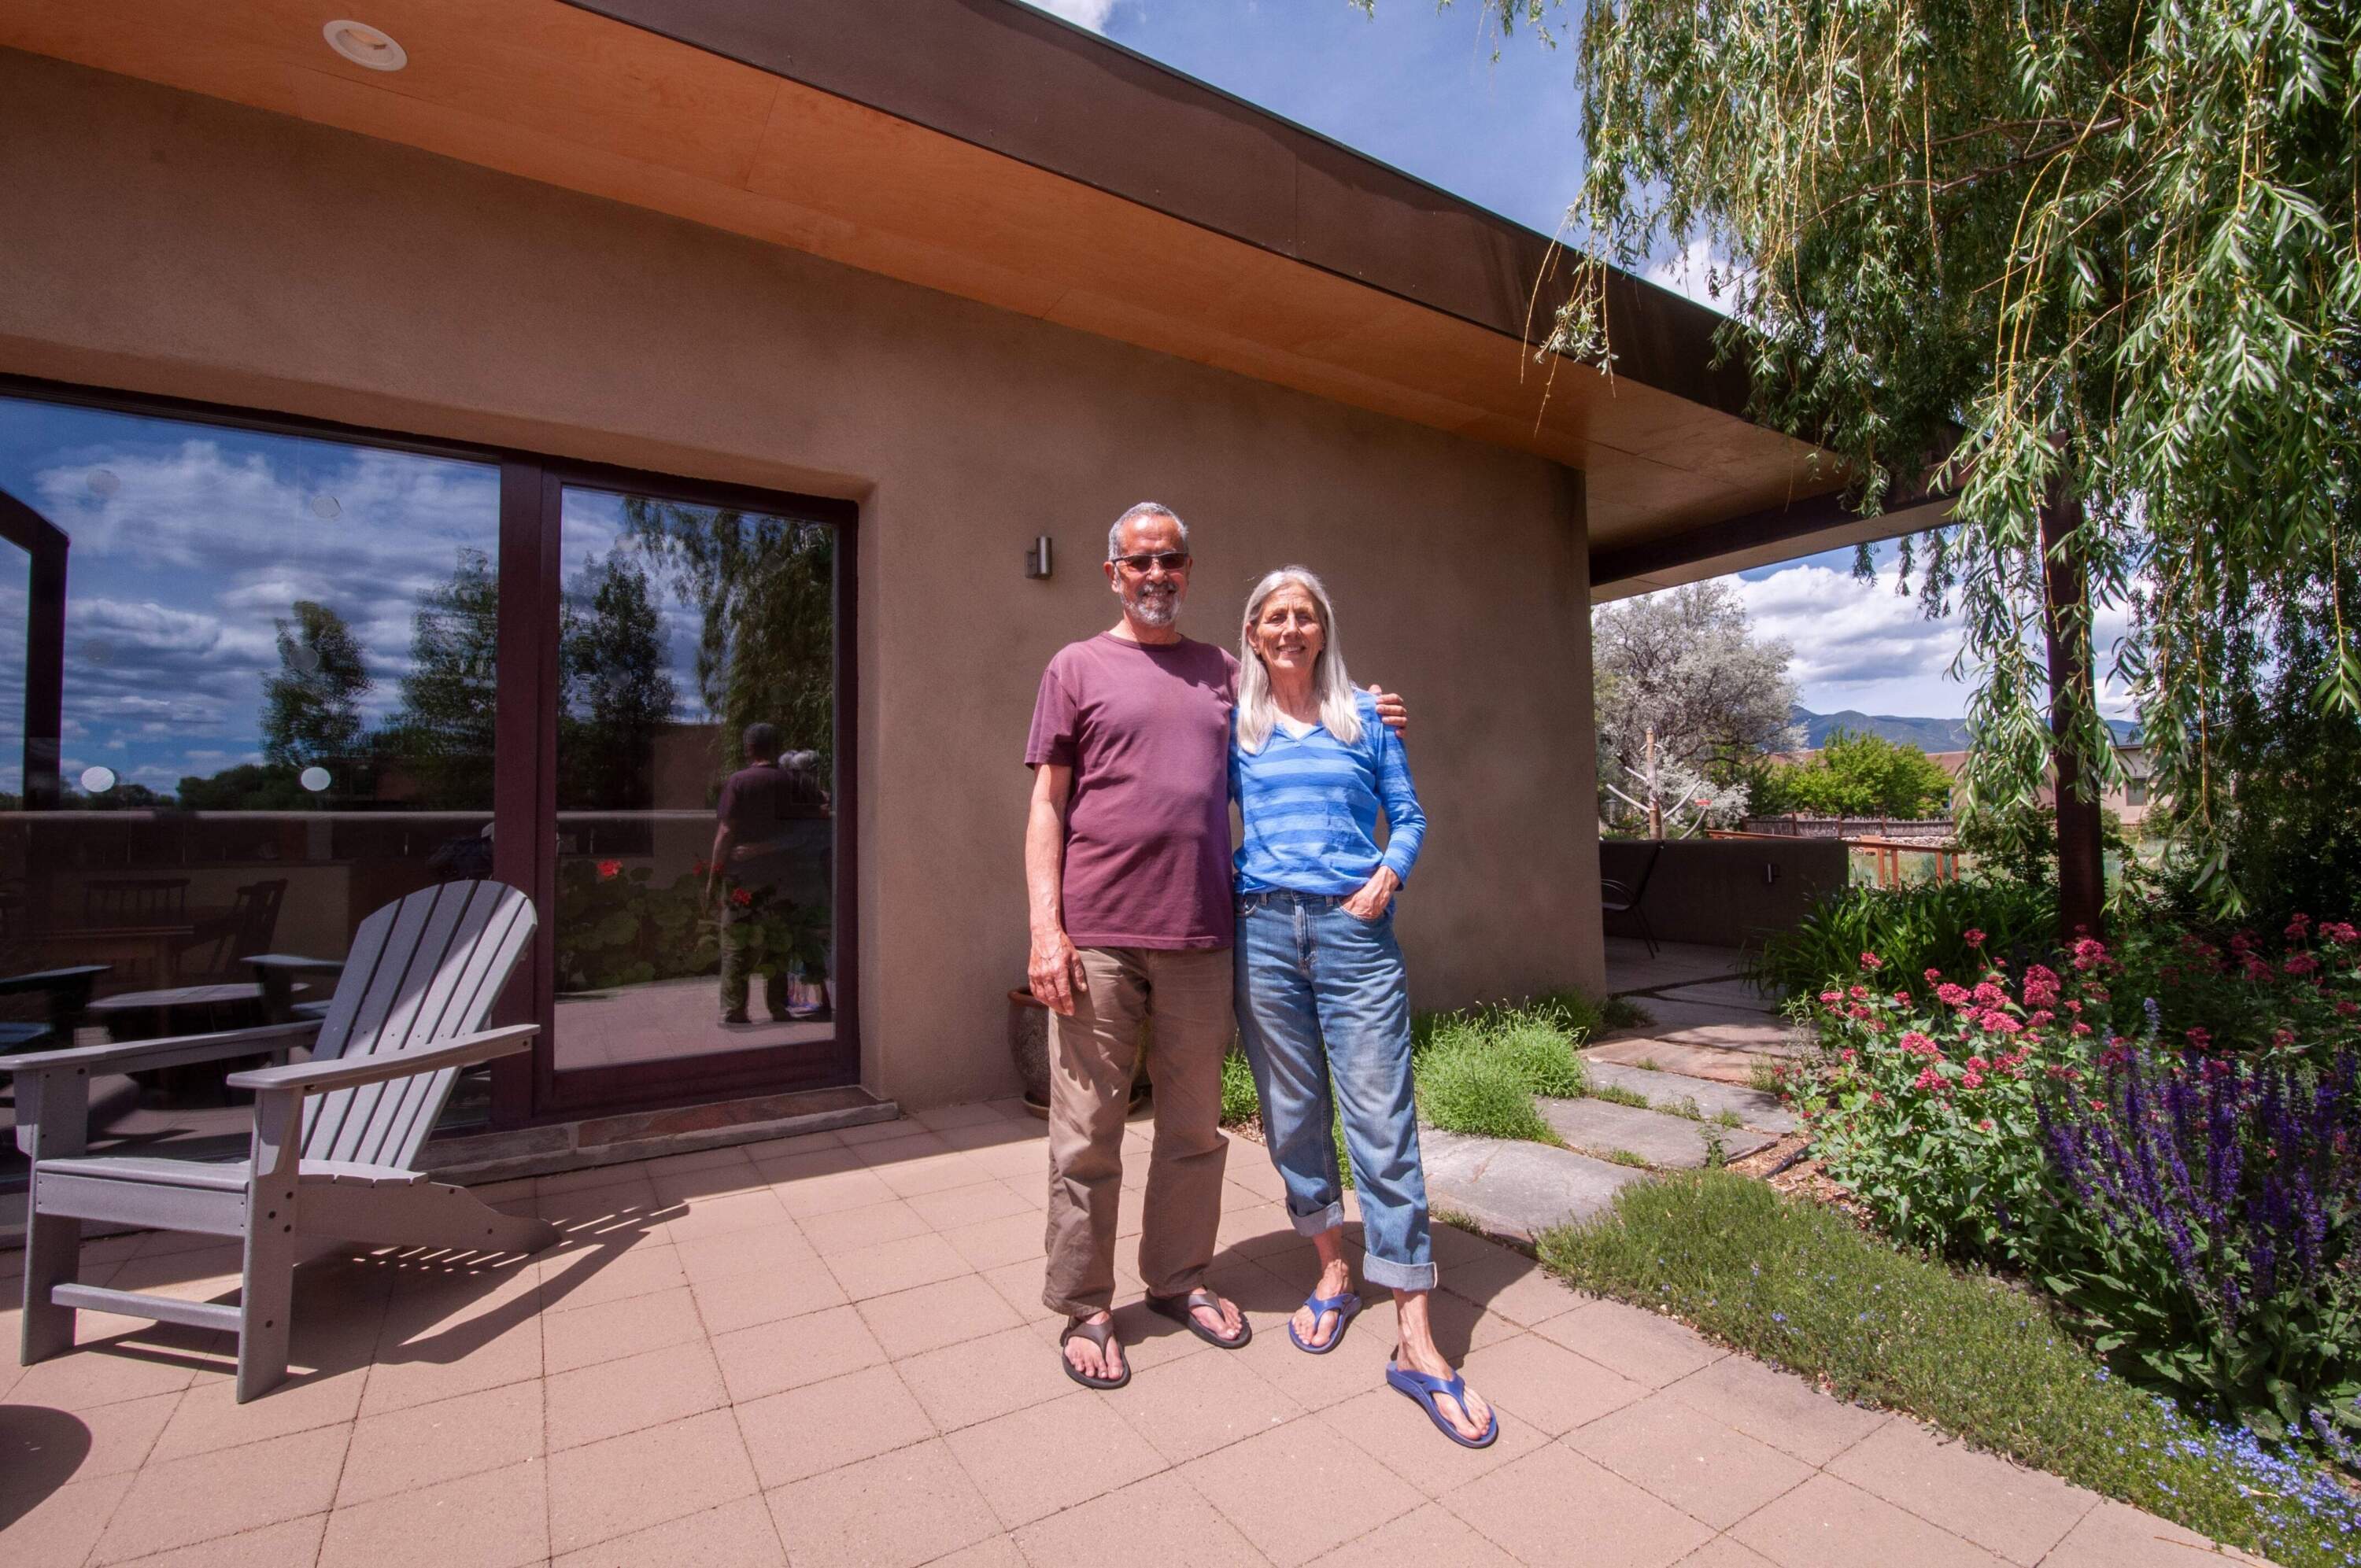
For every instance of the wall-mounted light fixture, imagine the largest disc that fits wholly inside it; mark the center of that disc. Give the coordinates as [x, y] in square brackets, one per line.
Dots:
[1036, 558]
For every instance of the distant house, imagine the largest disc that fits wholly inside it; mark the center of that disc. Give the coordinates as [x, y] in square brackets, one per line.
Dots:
[2128, 799]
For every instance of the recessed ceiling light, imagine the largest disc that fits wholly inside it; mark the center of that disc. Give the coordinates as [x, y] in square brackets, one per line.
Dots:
[364, 45]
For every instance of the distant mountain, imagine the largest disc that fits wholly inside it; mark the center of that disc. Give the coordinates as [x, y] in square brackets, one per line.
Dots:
[1926, 734]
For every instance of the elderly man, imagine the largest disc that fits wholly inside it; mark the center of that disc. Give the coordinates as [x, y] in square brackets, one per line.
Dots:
[1127, 875]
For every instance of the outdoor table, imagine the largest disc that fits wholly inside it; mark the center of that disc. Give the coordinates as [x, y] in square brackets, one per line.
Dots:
[68, 993]
[277, 972]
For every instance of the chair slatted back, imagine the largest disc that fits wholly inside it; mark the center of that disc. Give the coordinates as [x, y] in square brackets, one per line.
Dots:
[426, 968]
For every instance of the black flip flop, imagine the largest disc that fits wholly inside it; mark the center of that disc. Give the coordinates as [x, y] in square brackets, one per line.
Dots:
[1182, 1310]
[1098, 1335]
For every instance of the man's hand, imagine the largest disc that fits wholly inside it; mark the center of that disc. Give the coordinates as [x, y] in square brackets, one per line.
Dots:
[1370, 902]
[1055, 972]
[1391, 709]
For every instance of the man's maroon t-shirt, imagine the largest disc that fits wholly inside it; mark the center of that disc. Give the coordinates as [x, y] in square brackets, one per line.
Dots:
[1146, 730]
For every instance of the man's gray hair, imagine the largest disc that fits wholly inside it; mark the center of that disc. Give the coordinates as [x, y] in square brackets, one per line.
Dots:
[1143, 510]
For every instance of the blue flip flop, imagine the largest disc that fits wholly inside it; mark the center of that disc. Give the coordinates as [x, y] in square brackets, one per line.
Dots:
[1424, 1389]
[1347, 1306]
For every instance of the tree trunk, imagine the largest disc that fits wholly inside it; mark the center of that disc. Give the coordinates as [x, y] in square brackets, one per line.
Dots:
[2082, 867]
[1655, 801]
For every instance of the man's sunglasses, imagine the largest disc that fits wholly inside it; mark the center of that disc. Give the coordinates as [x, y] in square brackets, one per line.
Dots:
[1172, 561]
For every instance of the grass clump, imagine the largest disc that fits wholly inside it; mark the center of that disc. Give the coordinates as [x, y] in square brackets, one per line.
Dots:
[1801, 1287]
[1625, 1157]
[1240, 1103]
[1616, 1094]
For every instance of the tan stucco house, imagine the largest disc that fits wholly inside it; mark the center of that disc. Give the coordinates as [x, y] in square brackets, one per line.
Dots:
[604, 375]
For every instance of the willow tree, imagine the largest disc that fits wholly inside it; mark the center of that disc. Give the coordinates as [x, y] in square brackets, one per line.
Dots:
[2092, 266]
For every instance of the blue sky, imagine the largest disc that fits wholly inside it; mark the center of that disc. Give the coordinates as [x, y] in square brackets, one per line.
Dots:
[1438, 95]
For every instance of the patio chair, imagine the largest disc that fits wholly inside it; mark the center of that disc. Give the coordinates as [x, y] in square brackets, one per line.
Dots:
[1623, 898]
[335, 1156]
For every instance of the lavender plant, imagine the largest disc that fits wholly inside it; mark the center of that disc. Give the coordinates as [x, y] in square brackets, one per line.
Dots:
[2210, 1235]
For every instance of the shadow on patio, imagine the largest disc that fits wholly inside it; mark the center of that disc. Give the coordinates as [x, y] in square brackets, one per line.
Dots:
[832, 1348]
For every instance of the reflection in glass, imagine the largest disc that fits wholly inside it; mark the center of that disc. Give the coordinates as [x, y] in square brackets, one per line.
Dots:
[695, 754]
[256, 708]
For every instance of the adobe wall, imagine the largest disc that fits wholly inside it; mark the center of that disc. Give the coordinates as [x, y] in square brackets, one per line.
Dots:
[165, 243]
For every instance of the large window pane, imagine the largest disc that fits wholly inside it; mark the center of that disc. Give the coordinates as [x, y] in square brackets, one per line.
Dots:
[694, 880]
[275, 678]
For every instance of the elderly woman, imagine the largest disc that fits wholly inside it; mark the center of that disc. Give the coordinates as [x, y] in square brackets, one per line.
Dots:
[1321, 992]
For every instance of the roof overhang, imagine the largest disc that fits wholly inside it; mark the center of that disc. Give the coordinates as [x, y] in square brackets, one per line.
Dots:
[990, 151]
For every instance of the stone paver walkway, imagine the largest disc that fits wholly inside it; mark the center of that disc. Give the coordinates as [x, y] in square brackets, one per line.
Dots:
[829, 1350]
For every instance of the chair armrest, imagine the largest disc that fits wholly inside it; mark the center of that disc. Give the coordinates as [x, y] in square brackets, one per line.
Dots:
[80, 975]
[347, 1072]
[295, 963]
[1608, 884]
[138, 1056]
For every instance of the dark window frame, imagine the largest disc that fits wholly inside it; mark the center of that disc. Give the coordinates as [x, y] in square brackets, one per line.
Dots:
[527, 1091]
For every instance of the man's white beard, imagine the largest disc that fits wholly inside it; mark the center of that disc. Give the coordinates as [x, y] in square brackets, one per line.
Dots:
[1150, 608]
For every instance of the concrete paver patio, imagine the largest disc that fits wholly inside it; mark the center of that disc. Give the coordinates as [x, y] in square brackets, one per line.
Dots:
[830, 1350]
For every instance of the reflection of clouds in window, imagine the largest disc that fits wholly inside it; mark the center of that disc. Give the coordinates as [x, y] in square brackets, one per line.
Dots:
[195, 542]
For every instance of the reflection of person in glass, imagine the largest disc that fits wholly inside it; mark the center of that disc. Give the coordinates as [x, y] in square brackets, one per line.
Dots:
[770, 861]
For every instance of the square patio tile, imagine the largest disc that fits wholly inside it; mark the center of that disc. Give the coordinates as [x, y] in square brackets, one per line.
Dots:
[1152, 1523]
[772, 1357]
[970, 1205]
[879, 1131]
[1432, 1534]
[2117, 1535]
[1640, 1346]
[63, 1525]
[647, 1477]
[1694, 1463]
[498, 1519]
[961, 1384]
[614, 1330]
[915, 1142]
[764, 1296]
[735, 1535]
[1829, 1523]
[724, 1215]
[897, 1265]
[209, 1416]
[809, 1196]
[798, 1159]
[443, 1442]
[588, 1278]
[1395, 1431]
[1594, 1517]
[1296, 1492]
[1511, 1285]
[967, 1114]
[1528, 1378]
[464, 1359]
[1776, 1408]
[1034, 1462]
[1014, 1238]
[223, 1493]
[113, 1359]
[863, 1513]
[594, 1403]
[42, 1449]
[2005, 1509]
[824, 1426]
[771, 1246]
[871, 1224]
[948, 1311]
[1721, 1551]
[1196, 1404]
[931, 1173]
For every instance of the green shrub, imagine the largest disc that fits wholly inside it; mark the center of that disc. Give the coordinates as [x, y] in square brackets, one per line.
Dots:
[1240, 1103]
[1801, 1287]
[1913, 929]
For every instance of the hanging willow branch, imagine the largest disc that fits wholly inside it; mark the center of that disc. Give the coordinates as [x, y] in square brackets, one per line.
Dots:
[2098, 248]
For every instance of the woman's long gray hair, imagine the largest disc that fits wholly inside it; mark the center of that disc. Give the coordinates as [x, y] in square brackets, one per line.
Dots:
[1257, 712]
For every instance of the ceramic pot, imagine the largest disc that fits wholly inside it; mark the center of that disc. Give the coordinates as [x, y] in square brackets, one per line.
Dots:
[1028, 1047]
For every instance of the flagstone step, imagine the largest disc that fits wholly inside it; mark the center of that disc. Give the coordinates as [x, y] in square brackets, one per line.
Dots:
[1667, 1091]
[1514, 1189]
[1667, 1142]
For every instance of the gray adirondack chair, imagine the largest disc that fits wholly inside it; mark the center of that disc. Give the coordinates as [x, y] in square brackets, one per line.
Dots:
[335, 1139]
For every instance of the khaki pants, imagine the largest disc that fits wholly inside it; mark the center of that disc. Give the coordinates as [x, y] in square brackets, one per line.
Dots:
[1186, 998]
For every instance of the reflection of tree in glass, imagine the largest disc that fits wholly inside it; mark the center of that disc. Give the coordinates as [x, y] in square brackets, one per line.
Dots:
[765, 588]
[311, 708]
[615, 693]
[442, 735]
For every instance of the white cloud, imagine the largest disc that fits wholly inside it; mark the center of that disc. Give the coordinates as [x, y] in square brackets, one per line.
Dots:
[1864, 646]
[1091, 14]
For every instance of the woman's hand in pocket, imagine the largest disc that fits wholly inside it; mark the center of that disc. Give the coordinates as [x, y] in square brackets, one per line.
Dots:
[1370, 903]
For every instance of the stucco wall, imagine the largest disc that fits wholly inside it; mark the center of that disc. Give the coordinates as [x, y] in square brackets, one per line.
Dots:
[171, 243]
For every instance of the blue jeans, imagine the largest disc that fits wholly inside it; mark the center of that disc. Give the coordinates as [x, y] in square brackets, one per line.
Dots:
[1321, 994]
